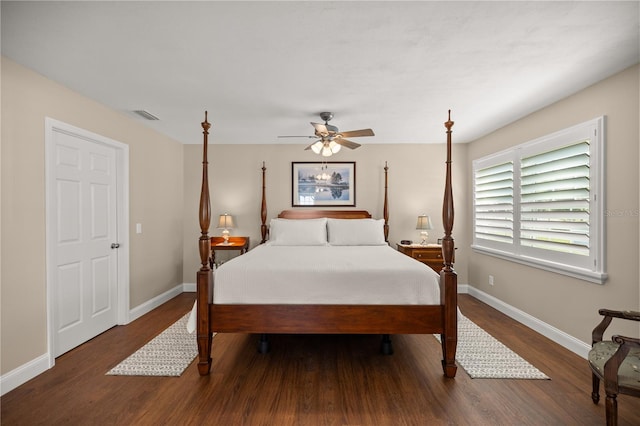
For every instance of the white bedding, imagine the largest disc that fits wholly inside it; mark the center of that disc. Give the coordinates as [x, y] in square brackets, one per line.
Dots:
[373, 275]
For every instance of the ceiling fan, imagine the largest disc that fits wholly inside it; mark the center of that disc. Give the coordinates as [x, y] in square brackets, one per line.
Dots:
[330, 138]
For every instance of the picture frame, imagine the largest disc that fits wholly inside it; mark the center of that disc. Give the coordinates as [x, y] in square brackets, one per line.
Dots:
[323, 184]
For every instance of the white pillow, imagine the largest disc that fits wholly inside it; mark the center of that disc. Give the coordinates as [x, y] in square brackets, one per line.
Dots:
[356, 232]
[298, 232]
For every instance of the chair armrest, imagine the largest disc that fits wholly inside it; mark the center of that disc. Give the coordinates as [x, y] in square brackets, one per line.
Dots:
[631, 342]
[609, 314]
[612, 366]
[629, 315]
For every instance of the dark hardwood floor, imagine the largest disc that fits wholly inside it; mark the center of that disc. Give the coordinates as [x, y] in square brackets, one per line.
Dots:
[311, 380]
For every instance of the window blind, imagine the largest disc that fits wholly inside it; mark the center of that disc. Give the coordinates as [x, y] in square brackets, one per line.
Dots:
[494, 203]
[554, 202]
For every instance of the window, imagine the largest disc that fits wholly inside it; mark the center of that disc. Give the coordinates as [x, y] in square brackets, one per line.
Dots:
[541, 203]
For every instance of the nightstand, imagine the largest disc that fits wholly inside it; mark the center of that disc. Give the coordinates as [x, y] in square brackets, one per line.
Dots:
[235, 243]
[430, 254]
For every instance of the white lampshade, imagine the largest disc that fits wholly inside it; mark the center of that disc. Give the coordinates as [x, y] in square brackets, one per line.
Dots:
[335, 147]
[326, 151]
[424, 222]
[225, 221]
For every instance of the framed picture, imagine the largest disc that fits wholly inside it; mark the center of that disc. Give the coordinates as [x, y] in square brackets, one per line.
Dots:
[323, 184]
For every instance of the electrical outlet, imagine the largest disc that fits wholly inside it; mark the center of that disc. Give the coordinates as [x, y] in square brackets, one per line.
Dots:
[490, 279]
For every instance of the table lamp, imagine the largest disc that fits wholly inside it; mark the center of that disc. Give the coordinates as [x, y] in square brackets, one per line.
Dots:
[225, 222]
[424, 223]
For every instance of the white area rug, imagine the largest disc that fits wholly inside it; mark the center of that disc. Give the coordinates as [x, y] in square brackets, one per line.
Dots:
[168, 354]
[484, 357]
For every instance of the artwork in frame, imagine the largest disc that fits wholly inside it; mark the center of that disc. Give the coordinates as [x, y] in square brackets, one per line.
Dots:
[323, 184]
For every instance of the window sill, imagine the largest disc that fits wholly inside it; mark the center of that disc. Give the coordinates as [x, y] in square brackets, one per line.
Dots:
[582, 274]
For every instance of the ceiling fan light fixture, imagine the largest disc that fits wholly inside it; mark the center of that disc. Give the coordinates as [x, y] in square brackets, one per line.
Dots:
[330, 139]
[317, 147]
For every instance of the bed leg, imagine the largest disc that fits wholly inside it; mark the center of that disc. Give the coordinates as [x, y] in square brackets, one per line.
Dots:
[204, 350]
[449, 337]
[204, 336]
[449, 366]
[263, 344]
[385, 347]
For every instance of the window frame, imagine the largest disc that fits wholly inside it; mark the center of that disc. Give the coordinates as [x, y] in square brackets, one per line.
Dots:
[591, 268]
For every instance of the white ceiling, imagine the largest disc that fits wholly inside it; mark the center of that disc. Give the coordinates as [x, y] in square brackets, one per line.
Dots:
[264, 69]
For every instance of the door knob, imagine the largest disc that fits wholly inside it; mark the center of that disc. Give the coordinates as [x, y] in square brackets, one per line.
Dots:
[115, 245]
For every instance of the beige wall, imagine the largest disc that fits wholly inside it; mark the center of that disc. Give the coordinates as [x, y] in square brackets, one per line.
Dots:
[416, 185]
[156, 183]
[567, 303]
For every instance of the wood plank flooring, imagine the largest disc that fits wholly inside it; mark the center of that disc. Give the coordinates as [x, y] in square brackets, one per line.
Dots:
[310, 380]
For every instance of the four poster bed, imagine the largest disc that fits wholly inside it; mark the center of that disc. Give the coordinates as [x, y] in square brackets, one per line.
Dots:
[328, 291]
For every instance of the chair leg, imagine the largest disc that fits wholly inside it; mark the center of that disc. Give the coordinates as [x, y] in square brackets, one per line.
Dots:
[611, 409]
[595, 393]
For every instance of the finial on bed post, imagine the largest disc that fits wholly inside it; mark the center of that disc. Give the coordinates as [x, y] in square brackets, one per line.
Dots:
[385, 209]
[205, 202]
[263, 208]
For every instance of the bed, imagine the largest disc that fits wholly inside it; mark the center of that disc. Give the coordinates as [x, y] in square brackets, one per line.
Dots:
[420, 308]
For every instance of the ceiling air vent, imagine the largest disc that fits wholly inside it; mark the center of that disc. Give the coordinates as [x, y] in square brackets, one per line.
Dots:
[146, 115]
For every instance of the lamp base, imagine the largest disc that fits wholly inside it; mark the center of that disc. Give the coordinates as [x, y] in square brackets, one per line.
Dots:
[225, 236]
[425, 236]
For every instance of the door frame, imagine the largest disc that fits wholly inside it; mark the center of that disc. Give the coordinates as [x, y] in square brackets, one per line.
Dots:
[122, 217]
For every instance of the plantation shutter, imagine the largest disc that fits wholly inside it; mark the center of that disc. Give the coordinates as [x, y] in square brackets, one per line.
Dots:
[554, 202]
[494, 203]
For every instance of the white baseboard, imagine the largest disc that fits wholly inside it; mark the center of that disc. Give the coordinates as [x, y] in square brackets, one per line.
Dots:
[150, 305]
[24, 373]
[189, 287]
[560, 337]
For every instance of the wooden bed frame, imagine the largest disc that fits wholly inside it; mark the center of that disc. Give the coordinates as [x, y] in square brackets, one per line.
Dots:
[330, 319]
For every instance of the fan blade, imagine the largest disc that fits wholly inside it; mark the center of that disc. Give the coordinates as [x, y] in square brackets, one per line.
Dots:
[346, 143]
[357, 133]
[320, 128]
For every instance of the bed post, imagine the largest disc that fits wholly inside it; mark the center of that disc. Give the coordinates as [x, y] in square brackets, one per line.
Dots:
[263, 208]
[204, 275]
[448, 277]
[385, 209]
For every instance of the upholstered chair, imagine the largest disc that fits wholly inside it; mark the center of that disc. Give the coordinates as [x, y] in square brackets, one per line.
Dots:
[616, 362]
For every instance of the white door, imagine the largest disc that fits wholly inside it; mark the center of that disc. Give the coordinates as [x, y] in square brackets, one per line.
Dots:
[84, 296]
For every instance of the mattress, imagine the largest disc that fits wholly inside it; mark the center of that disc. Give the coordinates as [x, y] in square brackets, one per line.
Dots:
[371, 275]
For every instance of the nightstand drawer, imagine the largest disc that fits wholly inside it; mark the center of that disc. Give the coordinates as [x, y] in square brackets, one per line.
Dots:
[427, 254]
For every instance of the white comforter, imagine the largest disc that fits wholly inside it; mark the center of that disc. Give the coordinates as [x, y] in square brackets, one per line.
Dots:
[325, 275]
